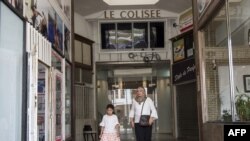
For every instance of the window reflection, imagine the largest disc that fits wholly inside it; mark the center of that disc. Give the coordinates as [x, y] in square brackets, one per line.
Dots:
[124, 35]
[108, 33]
[157, 35]
[140, 35]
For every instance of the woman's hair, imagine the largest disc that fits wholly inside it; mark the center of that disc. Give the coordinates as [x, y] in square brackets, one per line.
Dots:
[140, 87]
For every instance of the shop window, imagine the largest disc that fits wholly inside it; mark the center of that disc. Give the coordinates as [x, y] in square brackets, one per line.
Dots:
[157, 35]
[11, 74]
[124, 35]
[108, 34]
[140, 34]
[219, 103]
[132, 35]
[216, 70]
[68, 100]
[240, 33]
[56, 61]
[83, 76]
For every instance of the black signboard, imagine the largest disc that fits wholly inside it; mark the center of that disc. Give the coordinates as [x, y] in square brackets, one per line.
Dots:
[184, 71]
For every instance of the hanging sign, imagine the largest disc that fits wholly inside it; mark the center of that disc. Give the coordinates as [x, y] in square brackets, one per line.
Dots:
[184, 71]
[132, 14]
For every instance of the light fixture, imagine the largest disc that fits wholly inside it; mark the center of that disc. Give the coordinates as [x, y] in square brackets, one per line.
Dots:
[131, 2]
[132, 72]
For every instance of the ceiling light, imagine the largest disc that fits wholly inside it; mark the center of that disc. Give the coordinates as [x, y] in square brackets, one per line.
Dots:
[131, 2]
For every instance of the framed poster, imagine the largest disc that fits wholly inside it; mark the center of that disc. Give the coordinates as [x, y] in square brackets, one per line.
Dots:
[178, 50]
[246, 80]
[55, 31]
[36, 13]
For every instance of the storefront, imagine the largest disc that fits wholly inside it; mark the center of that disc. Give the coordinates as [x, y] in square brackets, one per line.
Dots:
[184, 87]
[13, 74]
[222, 31]
[35, 70]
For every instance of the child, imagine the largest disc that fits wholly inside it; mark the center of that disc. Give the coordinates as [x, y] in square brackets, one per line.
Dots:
[110, 125]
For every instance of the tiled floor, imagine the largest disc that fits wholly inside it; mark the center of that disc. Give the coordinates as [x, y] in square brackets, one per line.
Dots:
[156, 137]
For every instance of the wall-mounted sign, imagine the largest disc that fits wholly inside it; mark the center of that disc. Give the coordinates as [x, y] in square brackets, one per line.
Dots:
[132, 14]
[186, 20]
[184, 71]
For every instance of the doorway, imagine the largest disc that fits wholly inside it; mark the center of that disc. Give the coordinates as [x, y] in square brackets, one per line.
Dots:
[187, 115]
[117, 84]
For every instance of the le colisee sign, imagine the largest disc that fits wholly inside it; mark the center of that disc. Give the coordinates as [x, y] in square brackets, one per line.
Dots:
[132, 14]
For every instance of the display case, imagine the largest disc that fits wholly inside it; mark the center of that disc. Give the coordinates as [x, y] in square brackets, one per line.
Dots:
[222, 40]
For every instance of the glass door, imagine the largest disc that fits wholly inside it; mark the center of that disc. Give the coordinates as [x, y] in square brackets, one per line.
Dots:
[122, 100]
[42, 103]
[57, 105]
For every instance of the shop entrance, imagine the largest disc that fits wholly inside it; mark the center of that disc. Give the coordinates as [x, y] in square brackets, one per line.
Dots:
[187, 119]
[122, 100]
[117, 84]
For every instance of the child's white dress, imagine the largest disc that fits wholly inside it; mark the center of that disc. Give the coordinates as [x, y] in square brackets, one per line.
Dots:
[109, 132]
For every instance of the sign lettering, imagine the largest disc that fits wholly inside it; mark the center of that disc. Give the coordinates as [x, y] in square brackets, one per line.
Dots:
[132, 14]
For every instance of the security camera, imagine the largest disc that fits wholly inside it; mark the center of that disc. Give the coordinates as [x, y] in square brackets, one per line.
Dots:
[175, 25]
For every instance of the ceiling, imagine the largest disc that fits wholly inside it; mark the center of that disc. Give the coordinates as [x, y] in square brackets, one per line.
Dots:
[87, 7]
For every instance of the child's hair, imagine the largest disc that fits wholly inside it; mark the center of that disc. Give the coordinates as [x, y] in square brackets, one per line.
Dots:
[111, 106]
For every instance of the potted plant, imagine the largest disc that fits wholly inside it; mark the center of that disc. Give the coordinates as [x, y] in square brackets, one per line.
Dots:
[242, 103]
[227, 117]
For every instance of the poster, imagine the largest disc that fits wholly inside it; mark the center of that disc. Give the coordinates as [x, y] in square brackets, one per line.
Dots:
[41, 86]
[67, 47]
[179, 50]
[55, 30]
[17, 4]
[202, 5]
[43, 17]
[36, 13]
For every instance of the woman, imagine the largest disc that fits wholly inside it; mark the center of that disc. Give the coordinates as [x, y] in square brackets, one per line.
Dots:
[142, 105]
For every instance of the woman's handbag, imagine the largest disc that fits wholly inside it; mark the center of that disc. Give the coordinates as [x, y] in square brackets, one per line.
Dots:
[144, 119]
